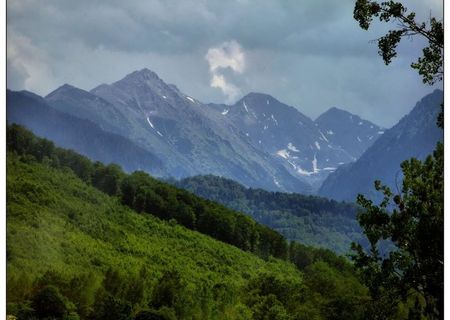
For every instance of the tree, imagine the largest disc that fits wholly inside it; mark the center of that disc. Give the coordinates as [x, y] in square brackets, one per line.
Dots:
[107, 178]
[168, 291]
[109, 307]
[49, 303]
[415, 225]
[412, 272]
[431, 64]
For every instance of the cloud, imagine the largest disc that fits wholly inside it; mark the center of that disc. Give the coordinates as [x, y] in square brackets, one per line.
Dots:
[310, 54]
[229, 55]
[28, 66]
[230, 90]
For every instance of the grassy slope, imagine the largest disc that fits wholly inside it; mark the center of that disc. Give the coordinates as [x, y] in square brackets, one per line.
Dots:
[57, 222]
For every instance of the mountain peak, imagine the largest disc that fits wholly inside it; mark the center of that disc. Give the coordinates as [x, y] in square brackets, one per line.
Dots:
[258, 96]
[340, 115]
[258, 99]
[65, 88]
[142, 75]
[335, 111]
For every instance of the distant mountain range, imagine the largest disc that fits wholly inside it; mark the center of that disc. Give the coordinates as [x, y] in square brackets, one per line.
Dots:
[308, 149]
[415, 135]
[258, 141]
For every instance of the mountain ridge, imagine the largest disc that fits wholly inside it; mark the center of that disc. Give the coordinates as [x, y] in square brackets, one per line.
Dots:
[415, 135]
[259, 141]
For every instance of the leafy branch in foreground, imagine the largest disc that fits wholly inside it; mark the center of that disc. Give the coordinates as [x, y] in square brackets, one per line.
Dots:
[430, 64]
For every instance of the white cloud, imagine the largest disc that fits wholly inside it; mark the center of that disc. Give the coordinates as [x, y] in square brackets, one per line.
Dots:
[229, 55]
[28, 66]
[229, 89]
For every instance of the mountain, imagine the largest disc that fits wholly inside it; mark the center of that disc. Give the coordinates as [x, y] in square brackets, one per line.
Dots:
[303, 146]
[84, 136]
[259, 141]
[178, 129]
[309, 220]
[82, 104]
[349, 131]
[75, 252]
[415, 135]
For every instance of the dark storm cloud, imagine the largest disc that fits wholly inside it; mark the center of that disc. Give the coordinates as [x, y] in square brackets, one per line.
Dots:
[310, 54]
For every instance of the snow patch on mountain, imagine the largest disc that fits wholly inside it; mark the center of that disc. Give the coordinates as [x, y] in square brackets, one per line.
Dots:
[303, 172]
[317, 145]
[277, 183]
[314, 164]
[273, 119]
[283, 153]
[291, 147]
[245, 106]
[150, 123]
[323, 136]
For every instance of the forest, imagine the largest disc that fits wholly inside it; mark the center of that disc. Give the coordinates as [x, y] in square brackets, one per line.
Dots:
[307, 219]
[87, 241]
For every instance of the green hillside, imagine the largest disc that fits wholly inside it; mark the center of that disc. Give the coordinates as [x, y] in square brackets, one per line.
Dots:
[74, 252]
[312, 220]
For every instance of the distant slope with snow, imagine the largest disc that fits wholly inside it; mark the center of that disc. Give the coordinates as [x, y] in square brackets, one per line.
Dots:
[348, 131]
[287, 135]
[415, 135]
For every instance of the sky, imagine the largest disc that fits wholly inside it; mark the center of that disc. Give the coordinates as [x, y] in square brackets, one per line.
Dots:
[310, 54]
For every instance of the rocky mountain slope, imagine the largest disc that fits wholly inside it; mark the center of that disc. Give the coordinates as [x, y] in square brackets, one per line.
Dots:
[306, 148]
[415, 135]
[258, 141]
[348, 131]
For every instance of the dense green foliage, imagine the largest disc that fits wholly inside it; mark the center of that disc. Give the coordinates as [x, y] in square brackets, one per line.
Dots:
[310, 220]
[142, 193]
[104, 259]
[73, 252]
[414, 222]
